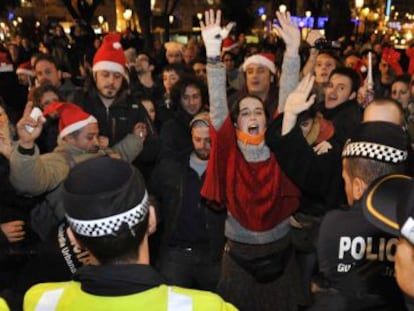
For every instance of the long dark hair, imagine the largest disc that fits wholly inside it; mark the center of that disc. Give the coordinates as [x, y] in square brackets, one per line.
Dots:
[235, 108]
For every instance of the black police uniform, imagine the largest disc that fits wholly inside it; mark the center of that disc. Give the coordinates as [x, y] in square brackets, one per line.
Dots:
[356, 264]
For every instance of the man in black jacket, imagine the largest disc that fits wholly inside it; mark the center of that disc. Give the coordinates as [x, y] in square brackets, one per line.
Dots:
[109, 101]
[193, 236]
[190, 97]
[340, 104]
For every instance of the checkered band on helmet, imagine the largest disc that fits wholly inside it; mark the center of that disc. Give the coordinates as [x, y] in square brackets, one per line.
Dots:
[374, 151]
[109, 225]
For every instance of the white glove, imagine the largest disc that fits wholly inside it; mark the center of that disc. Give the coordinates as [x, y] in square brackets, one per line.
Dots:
[213, 34]
[299, 100]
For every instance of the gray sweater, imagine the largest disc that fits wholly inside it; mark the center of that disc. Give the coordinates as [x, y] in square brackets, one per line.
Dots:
[219, 112]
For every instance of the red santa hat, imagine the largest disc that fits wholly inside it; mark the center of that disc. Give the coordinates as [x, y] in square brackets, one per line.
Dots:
[25, 69]
[392, 57]
[72, 117]
[229, 44]
[265, 59]
[5, 63]
[110, 56]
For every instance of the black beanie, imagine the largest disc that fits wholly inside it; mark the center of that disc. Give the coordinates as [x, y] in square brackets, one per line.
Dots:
[101, 194]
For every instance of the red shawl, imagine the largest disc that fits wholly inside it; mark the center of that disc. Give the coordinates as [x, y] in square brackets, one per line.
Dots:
[258, 195]
[326, 129]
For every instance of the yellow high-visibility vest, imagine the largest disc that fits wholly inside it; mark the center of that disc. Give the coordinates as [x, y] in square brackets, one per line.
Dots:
[69, 296]
[3, 305]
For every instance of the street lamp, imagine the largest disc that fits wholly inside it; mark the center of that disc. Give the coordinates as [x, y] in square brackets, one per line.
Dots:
[359, 4]
[308, 21]
[365, 12]
[127, 14]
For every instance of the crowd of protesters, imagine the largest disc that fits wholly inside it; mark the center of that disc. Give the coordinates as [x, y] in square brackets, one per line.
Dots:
[258, 160]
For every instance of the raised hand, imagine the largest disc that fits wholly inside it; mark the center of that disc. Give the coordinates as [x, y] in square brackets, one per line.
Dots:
[313, 36]
[289, 32]
[365, 94]
[27, 138]
[299, 100]
[212, 32]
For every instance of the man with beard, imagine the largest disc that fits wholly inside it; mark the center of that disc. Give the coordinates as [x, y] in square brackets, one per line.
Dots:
[33, 174]
[108, 98]
[193, 233]
[143, 84]
[47, 72]
[189, 96]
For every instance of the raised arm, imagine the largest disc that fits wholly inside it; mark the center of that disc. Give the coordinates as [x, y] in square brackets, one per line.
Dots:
[213, 35]
[31, 173]
[297, 102]
[289, 77]
[309, 66]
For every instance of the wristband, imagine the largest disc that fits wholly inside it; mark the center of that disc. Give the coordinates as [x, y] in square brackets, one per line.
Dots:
[213, 60]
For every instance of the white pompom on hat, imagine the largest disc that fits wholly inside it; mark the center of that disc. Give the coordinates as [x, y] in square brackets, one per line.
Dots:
[110, 56]
[265, 59]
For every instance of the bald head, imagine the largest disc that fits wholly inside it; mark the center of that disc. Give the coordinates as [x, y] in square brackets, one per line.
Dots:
[387, 110]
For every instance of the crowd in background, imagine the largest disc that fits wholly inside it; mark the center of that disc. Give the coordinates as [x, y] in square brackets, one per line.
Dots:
[249, 201]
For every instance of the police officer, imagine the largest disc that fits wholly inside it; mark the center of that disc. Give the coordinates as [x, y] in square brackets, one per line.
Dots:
[355, 258]
[389, 205]
[109, 217]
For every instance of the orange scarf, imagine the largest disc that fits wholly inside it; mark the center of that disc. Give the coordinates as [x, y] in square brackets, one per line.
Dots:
[249, 139]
